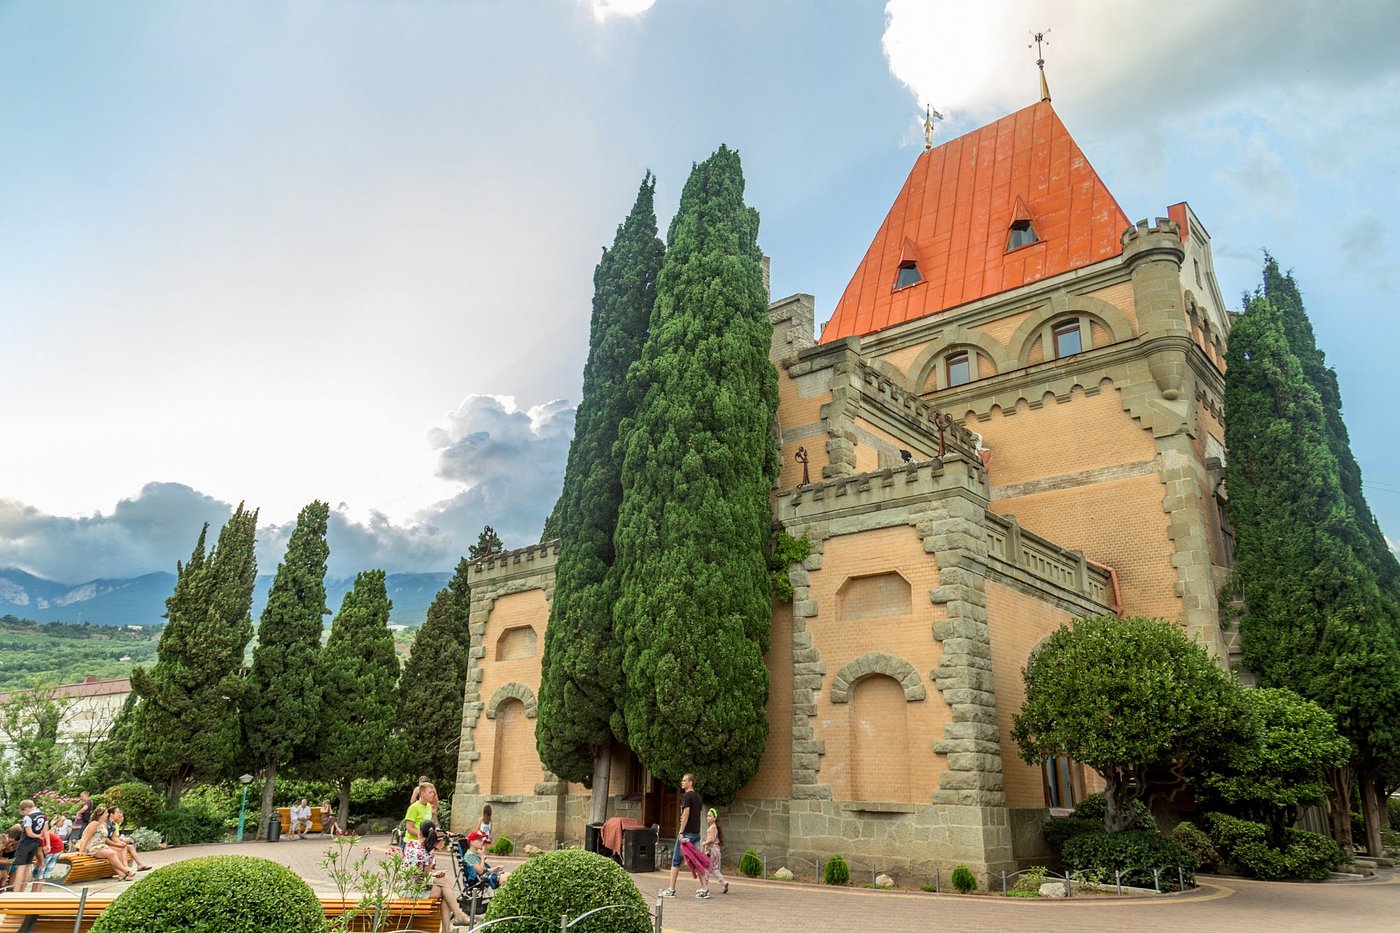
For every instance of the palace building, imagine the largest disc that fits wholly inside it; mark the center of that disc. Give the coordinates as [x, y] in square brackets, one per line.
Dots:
[1012, 419]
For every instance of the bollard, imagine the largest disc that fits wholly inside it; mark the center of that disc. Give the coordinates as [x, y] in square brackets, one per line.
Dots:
[1180, 879]
[476, 905]
[659, 900]
[872, 877]
[938, 879]
[564, 923]
[1118, 879]
[1157, 880]
[82, 906]
[765, 867]
[1003, 884]
[1069, 884]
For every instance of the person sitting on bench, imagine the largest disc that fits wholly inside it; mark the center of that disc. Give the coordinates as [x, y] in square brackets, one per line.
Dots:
[94, 843]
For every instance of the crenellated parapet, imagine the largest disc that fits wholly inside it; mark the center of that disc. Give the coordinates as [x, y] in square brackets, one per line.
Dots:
[1159, 240]
[532, 558]
[895, 394]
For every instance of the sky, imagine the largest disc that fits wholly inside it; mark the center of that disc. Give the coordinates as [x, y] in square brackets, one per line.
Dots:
[274, 252]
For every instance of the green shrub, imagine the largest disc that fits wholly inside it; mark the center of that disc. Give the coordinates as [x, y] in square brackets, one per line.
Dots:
[139, 802]
[836, 871]
[1058, 831]
[1310, 856]
[502, 846]
[1392, 806]
[1134, 853]
[1095, 806]
[964, 881]
[570, 881]
[751, 865]
[218, 799]
[188, 825]
[1194, 839]
[1245, 845]
[145, 839]
[1028, 882]
[216, 894]
[378, 797]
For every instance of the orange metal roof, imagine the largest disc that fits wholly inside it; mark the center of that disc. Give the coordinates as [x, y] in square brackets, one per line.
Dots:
[954, 214]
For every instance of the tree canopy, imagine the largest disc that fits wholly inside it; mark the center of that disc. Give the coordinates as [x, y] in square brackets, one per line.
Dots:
[580, 681]
[434, 682]
[693, 610]
[487, 543]
[1134, 699]
[186, 728]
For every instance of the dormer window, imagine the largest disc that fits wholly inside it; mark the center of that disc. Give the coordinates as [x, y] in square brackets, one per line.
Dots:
[1022, 234]
[908, 275]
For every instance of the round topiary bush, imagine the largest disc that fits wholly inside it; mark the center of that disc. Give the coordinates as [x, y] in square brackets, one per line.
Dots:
[751, 865]
[216, 894]
[964, 880]
[573, 882]
[139, 802]
[836, 872]
[502, 846]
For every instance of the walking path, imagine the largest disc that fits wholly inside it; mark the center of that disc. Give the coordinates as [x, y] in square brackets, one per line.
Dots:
[780, 907]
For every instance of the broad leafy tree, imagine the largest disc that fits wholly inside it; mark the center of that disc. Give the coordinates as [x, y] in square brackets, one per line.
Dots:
[1315, 616]
[359, 671]
[109, 763]
[693, 611]
[31, 758]
[1283, 767]
[1134, 699]
[434, 684]
[580, 683]
[186, 728]
[283, 699]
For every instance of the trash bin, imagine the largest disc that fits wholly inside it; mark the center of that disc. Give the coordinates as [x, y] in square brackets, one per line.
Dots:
[639, 848]
[274, 828]
[593, 837]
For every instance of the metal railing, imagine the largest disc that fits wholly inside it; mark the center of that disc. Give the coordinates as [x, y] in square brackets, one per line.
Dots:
[566, 924]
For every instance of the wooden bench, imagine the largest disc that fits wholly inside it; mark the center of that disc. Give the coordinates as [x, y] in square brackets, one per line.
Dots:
[284, 814]
[85, 868]
[56, 912]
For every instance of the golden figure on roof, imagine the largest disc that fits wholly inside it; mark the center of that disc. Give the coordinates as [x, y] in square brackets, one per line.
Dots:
[929, 116]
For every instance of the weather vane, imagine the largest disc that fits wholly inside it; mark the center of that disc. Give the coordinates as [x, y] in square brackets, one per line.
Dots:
[1038, 39]
[929, 116]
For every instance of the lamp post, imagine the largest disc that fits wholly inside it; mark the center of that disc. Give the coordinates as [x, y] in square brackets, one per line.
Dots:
[245, 780]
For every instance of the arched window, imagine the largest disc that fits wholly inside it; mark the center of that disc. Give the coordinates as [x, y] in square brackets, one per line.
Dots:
[1068, 338]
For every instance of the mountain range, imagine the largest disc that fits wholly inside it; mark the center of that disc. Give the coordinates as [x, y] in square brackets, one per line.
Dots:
[141, 600]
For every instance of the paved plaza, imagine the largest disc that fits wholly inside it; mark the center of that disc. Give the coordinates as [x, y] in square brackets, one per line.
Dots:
[782, 907]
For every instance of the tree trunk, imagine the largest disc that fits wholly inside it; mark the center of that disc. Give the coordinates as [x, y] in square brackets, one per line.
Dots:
[1383, 795]
[1339, 803]
[343, 817]
[1113, 804]
[269, 788]
[1370, 811]
[602, 776]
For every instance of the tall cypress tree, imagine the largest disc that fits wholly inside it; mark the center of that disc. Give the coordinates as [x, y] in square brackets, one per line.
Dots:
[359, 671]
[693, 610]
[185, 727]
[434, 684]
[580, 684]
[1314, 618]
[280, 713]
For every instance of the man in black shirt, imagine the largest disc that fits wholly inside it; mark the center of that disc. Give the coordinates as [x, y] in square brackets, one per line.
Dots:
[688, 829]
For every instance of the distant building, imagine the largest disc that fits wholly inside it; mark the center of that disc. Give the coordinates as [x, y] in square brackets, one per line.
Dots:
[91, 706]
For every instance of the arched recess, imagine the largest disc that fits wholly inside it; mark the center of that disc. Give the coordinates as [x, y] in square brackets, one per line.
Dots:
[877, 662]
[957, 337]
[879, 741]
[515, 766]
[513, 691]
[1082, 306]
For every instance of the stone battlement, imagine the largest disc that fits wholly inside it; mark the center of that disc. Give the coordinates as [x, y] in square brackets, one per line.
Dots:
[528, 559]
[933, 421]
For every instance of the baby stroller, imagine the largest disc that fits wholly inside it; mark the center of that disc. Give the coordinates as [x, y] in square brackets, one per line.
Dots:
[474, 890]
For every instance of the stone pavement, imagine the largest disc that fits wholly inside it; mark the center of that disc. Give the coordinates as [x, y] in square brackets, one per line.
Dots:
[771, 906]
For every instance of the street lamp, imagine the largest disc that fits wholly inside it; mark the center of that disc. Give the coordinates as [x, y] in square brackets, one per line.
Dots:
[245, 780]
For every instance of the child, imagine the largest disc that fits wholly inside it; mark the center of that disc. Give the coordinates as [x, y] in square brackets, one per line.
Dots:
[484, 827]
[53, 847]
[418, 857]
[7, 854]
[33, 822]
[476, 858]
[714, 839]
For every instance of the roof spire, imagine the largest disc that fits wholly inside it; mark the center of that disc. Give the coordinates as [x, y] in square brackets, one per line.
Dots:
[1039, 40]
[929, 116]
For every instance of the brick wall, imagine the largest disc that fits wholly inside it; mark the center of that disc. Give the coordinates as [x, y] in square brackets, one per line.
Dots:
[507, 745]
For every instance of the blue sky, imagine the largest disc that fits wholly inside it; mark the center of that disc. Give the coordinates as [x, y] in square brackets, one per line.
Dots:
[276, 251]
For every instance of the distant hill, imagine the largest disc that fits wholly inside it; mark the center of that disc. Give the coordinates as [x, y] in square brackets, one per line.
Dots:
[141, 600]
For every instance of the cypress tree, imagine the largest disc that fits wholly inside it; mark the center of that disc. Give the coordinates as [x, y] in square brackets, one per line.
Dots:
[185, 728]
[280, 715]
[1314, 618]
[434, 684]
[693, 611]
[359, 671]
[580, 681]
[487, 543]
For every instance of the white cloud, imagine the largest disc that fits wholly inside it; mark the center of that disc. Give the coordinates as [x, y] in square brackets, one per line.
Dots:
[605, 9]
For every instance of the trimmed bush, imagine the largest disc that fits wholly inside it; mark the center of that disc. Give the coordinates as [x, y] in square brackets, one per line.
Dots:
[836, 871]
[1194, 839]
[217, 894]
[1059, 831]
[751, 865]
[573, 882]
[188, 825]
[1246, 846]
[139, 802]
[145, 839]
[964, 881]
[1133, 853]
[502, 846]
